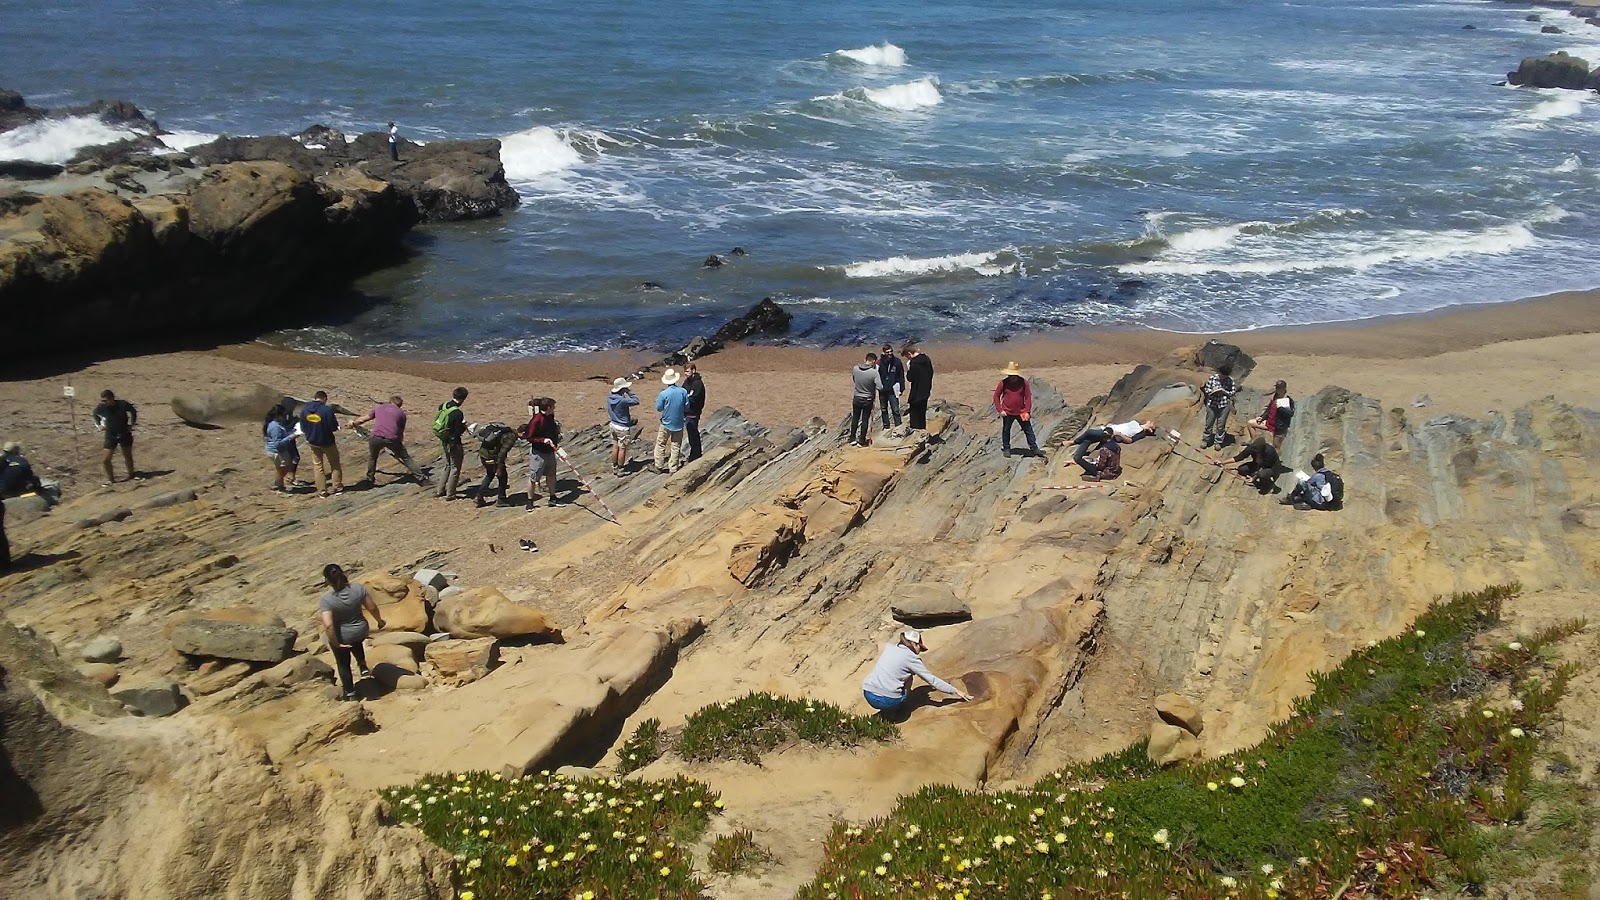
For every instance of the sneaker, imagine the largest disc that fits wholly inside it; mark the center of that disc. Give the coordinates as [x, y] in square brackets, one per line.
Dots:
[551, 501]
[350, 696]
[366, 673]
[1302, 506]
[1006, 453]
[1091, 478]
[1287, 501]
[502, 504]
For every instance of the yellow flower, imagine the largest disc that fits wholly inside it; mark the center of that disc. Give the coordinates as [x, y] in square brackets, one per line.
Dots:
[1110, 836]
[1488, 714]
[1517, 732]
[717, 804]
[881, 870]
[1042, 847]
[587, 895]
[511, 860]
[1383, 868]
[657, 855]
[483, 833]
[1368, 802]
[1211, 785]
[1272, 894]
[467, 895]
[665, 871]
[1421, 633]
[461, 778]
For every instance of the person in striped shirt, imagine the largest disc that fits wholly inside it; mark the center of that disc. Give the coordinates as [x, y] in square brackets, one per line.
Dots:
[1217, 394]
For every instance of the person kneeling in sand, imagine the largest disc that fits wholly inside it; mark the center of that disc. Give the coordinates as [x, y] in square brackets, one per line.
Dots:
[890, 682]
[1122, 433]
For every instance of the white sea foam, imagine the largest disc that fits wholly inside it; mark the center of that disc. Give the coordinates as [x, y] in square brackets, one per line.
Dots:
[1201, 239]
[884, 55]
[538, 153]
[901, 266]
[1569, 104]
[183, 140]
[56, 140]
[919, 94]
[1357, 253]
[1571, 164]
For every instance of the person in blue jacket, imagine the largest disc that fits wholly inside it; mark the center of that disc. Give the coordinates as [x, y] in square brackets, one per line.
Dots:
[619, 410]
[673, 404]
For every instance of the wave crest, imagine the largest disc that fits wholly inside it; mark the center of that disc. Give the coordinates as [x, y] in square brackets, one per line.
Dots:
[884, 55]
[990, 264]
[58, 140]
[919, 94]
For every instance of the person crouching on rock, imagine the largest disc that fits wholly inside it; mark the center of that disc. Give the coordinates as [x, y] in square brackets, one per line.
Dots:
[543, 434]
[1259, 464]
[1122, 433]
[345, 626]
[889, 684]
[495, 441]
[1013, 400]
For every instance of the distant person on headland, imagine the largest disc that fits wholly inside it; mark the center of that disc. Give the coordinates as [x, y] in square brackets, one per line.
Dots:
[277, 429]
[1122, 433]
[887, 687]
[673, 404]
[919, 374]
[543, 434]
[1013, 400]
[695, 386]
[619, 412]
[1217, 395]
[319, 425]
[1275, 419]
[864, 389]
[394, 142]
[344, 625]
[892, 381]
[116, 419]
[449, 424]
[388, 433]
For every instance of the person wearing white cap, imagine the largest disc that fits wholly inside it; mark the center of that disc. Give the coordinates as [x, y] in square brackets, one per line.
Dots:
[890, 682]
[673, 404]
[619, 408]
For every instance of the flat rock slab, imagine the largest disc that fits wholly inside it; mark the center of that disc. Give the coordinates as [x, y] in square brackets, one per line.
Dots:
[234, 640]
[151, 697]
[921, 602]
[102, 650]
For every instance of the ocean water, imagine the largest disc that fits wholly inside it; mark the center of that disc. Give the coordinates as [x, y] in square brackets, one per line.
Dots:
[936, 168]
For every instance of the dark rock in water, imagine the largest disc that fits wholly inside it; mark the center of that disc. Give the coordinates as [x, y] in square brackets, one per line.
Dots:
[324, 137]
[1551, 29]
[1533, 17]
[1000, 338]
[1558, 70]
[1469, 28]
[135, 150]
[273, 148]
[738, 251]
[11, 101]
[766, 317]
[26, 170]
[712, 262]
[651, 286]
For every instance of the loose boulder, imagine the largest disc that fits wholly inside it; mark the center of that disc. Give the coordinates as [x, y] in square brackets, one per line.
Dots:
[464, 660]
[402, 601]
[247, 404]
[151, 696]
[102, 673]
[409, 639]
[297, 670]
[1176, 709]
[215, 675]
[390, 663]
[485, 612]
[254, 642]
[768, 536]
[915, 603]
[102, 650]
[1170, 745]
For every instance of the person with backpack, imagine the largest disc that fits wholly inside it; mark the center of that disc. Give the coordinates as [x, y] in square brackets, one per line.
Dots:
[864, 390]
[919, 375]
[318, 424]
[619, 410]
[1275, 419]
[673, 404]
[1259, 464]
[495, 441]
[388, 433]
[116, 419]
[1323, 489]
[543, 434]
[695, 387]
[1013, 400]
[892, 379]
[16, 478]
[1217, 395]
[449, 424]
[344, 625]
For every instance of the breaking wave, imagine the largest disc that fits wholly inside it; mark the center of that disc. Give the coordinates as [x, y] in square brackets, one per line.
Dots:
[57, 140]
[901, 266]
[884, 55]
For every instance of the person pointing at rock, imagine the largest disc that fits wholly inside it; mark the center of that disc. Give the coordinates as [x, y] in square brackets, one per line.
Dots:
[889, 684]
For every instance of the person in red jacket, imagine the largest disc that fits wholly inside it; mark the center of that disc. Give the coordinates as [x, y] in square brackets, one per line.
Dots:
[1013, 400]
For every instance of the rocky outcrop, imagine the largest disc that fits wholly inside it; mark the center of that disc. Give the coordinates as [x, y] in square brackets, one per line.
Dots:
[1558, 70]
[253, 642]
[485, 612]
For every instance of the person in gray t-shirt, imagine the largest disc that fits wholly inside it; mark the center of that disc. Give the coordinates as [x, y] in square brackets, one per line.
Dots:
[344, 625]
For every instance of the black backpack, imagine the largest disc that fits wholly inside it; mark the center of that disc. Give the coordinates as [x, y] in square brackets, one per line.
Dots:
[1336, 486]
[496, 438]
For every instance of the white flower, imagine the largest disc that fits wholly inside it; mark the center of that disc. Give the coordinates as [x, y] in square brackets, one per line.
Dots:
[1228, 881]
[1514, 645]
[1488, 714]
[1421, 633]
[1517, 732]
[1236, 781]
[1160, 836]
[1266, 868]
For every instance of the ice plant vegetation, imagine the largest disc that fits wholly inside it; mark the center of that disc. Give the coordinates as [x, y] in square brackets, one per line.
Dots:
[1379, 784]
[751, 725]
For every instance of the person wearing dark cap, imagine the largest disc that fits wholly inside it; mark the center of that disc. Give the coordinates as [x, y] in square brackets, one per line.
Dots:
[887, 687]
[892, 383]
[16, 478]
[1258, 464]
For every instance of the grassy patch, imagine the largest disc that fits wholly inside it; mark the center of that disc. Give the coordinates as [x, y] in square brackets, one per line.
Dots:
[751, 725]
[1376, 786]
[550, 836]
[736, 852]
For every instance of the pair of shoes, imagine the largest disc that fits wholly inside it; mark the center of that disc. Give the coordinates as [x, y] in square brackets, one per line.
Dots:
[528, 545]
[1006, 453]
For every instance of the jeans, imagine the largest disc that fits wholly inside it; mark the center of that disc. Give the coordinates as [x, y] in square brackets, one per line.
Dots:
[5, 544]
[341, 659]
[669, 449]
[891, 405]
[397, 449]
[1027, 431]
[394, 150]
[691, 426]
[493, 470]
[1091, 438]
[454, 455]
[1216, 425]
[326, 460]
[917, 413]
[860, 419]
[882, 703]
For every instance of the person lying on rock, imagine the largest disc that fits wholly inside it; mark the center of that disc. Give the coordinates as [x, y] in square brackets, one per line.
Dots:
[1259, 464]
[345, 626]
[1123, 433]
[890, 682]
[1107, 462]
[1322, 490]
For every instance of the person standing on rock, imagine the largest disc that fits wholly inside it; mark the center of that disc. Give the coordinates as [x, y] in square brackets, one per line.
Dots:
[344, 625]
[388, 433]
[1217, 395]
[277, 429]
[919, 374]
[695, 386]
[449, 424]
[619, 412]
[1274, 420]
[116, 419]
[892, 378]
[320, 427]
[864, 390]
[16, 478]
[673, 405]
[1013, 400]
[543, 434]
[394, 142]
[887, 687]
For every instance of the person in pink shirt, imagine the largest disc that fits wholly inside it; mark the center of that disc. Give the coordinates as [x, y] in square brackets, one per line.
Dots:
[1013, 400]
[388, 432]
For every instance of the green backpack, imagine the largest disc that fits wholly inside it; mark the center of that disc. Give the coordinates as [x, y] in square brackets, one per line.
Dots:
[441, 421]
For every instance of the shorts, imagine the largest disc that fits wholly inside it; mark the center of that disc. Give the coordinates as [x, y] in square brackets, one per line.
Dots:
[285, 460]
[880, 702]
[541, 462]
[113, 441]
[621, 436]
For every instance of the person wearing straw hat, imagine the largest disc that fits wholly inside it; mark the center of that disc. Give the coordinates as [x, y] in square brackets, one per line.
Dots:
[673, 405]
[619, 409]
[1013, 400]
[887, 687]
